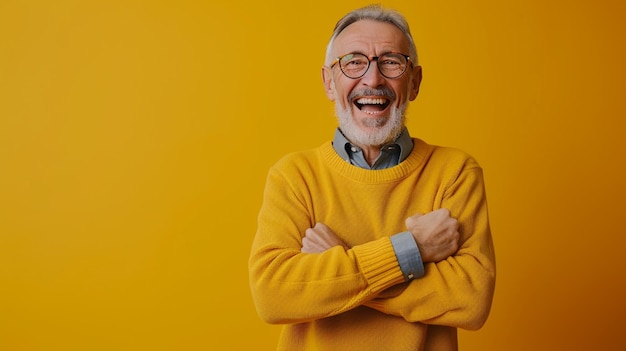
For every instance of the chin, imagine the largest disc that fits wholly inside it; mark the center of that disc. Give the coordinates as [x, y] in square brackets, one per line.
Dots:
[374, 131]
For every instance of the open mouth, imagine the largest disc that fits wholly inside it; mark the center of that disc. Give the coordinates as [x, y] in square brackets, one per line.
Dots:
[372, 105]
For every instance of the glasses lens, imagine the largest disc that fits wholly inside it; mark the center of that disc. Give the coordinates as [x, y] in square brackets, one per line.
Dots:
[354, 65]
[392, 65]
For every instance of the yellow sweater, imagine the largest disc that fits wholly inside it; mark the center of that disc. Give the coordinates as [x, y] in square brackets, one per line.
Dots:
[357, 299]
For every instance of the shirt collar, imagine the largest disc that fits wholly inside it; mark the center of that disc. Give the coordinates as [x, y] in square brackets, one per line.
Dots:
[343, 147]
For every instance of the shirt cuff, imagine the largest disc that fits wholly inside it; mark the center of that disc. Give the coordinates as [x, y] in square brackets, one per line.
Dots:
[408, 255]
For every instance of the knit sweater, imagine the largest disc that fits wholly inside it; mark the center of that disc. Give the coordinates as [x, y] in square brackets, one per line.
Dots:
[357, 299]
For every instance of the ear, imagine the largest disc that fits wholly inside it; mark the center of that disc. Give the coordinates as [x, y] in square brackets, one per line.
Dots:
[327, 78]
[416, 79]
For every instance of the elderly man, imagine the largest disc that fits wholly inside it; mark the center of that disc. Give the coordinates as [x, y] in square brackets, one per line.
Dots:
[376, 240]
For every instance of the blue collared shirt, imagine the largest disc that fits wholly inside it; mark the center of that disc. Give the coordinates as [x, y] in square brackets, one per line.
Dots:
[390, 154]
[404, 245]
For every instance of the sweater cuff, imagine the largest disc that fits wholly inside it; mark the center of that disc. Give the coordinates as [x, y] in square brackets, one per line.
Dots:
[408, 255]
[378, 263]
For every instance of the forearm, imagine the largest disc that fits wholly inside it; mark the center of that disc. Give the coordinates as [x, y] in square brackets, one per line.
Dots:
[458, 290]
[289, 286]
[455, 292]
[293, 287]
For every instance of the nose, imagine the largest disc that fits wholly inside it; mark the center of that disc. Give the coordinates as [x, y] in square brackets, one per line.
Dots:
[373, 78]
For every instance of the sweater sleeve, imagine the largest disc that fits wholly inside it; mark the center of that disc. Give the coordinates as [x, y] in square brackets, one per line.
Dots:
[458, 291]
[293, 287]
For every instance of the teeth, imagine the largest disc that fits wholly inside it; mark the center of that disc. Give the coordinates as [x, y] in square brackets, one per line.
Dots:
[368, 101]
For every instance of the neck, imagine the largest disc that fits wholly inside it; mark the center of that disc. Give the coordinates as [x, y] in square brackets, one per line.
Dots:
[371, 153]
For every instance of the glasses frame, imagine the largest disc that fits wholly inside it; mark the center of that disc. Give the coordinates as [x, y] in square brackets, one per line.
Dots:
[369, 63]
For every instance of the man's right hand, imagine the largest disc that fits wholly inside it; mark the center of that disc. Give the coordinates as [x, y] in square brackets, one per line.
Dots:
[320, 238]
[436, 234]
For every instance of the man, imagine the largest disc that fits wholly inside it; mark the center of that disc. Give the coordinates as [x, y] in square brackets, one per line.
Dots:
[376, 241]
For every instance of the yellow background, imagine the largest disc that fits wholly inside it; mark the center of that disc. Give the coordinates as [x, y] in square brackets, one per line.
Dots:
[135, 137]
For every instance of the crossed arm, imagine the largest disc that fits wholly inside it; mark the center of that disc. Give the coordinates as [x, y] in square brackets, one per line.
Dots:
[436, 235]
[297, 278]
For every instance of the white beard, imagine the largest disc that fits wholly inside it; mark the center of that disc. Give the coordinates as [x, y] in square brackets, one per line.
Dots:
[382, 130]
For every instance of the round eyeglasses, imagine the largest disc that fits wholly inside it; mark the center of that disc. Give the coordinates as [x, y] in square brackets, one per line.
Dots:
[355, 65]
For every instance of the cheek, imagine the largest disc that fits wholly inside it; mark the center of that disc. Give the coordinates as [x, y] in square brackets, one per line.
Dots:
[341, 94]
[403, 92]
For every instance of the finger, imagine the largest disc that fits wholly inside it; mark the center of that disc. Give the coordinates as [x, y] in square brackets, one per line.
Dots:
[325, 233]
[311, 232]
[323, 228]
[309, 246]
[411, 220]
[306, 247]
[321, 236]
[443, 211]
[312, 238]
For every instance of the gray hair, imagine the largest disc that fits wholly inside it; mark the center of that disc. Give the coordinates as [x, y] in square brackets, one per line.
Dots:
[374, 13]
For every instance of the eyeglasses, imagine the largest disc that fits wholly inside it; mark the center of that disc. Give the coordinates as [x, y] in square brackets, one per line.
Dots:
[355, 65]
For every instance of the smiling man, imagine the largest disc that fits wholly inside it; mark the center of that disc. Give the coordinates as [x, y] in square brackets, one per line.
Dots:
[376, 240]
[370, 104]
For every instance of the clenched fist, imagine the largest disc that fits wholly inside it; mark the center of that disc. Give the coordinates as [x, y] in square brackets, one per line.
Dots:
[319, 239]
[436, 233]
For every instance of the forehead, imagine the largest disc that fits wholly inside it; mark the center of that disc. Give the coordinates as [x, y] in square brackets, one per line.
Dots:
[370, 37]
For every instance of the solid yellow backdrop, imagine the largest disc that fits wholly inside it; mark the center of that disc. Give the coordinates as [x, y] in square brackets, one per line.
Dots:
[135, 137]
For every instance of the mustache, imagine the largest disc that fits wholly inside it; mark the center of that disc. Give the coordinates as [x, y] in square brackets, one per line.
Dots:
[385, 92]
